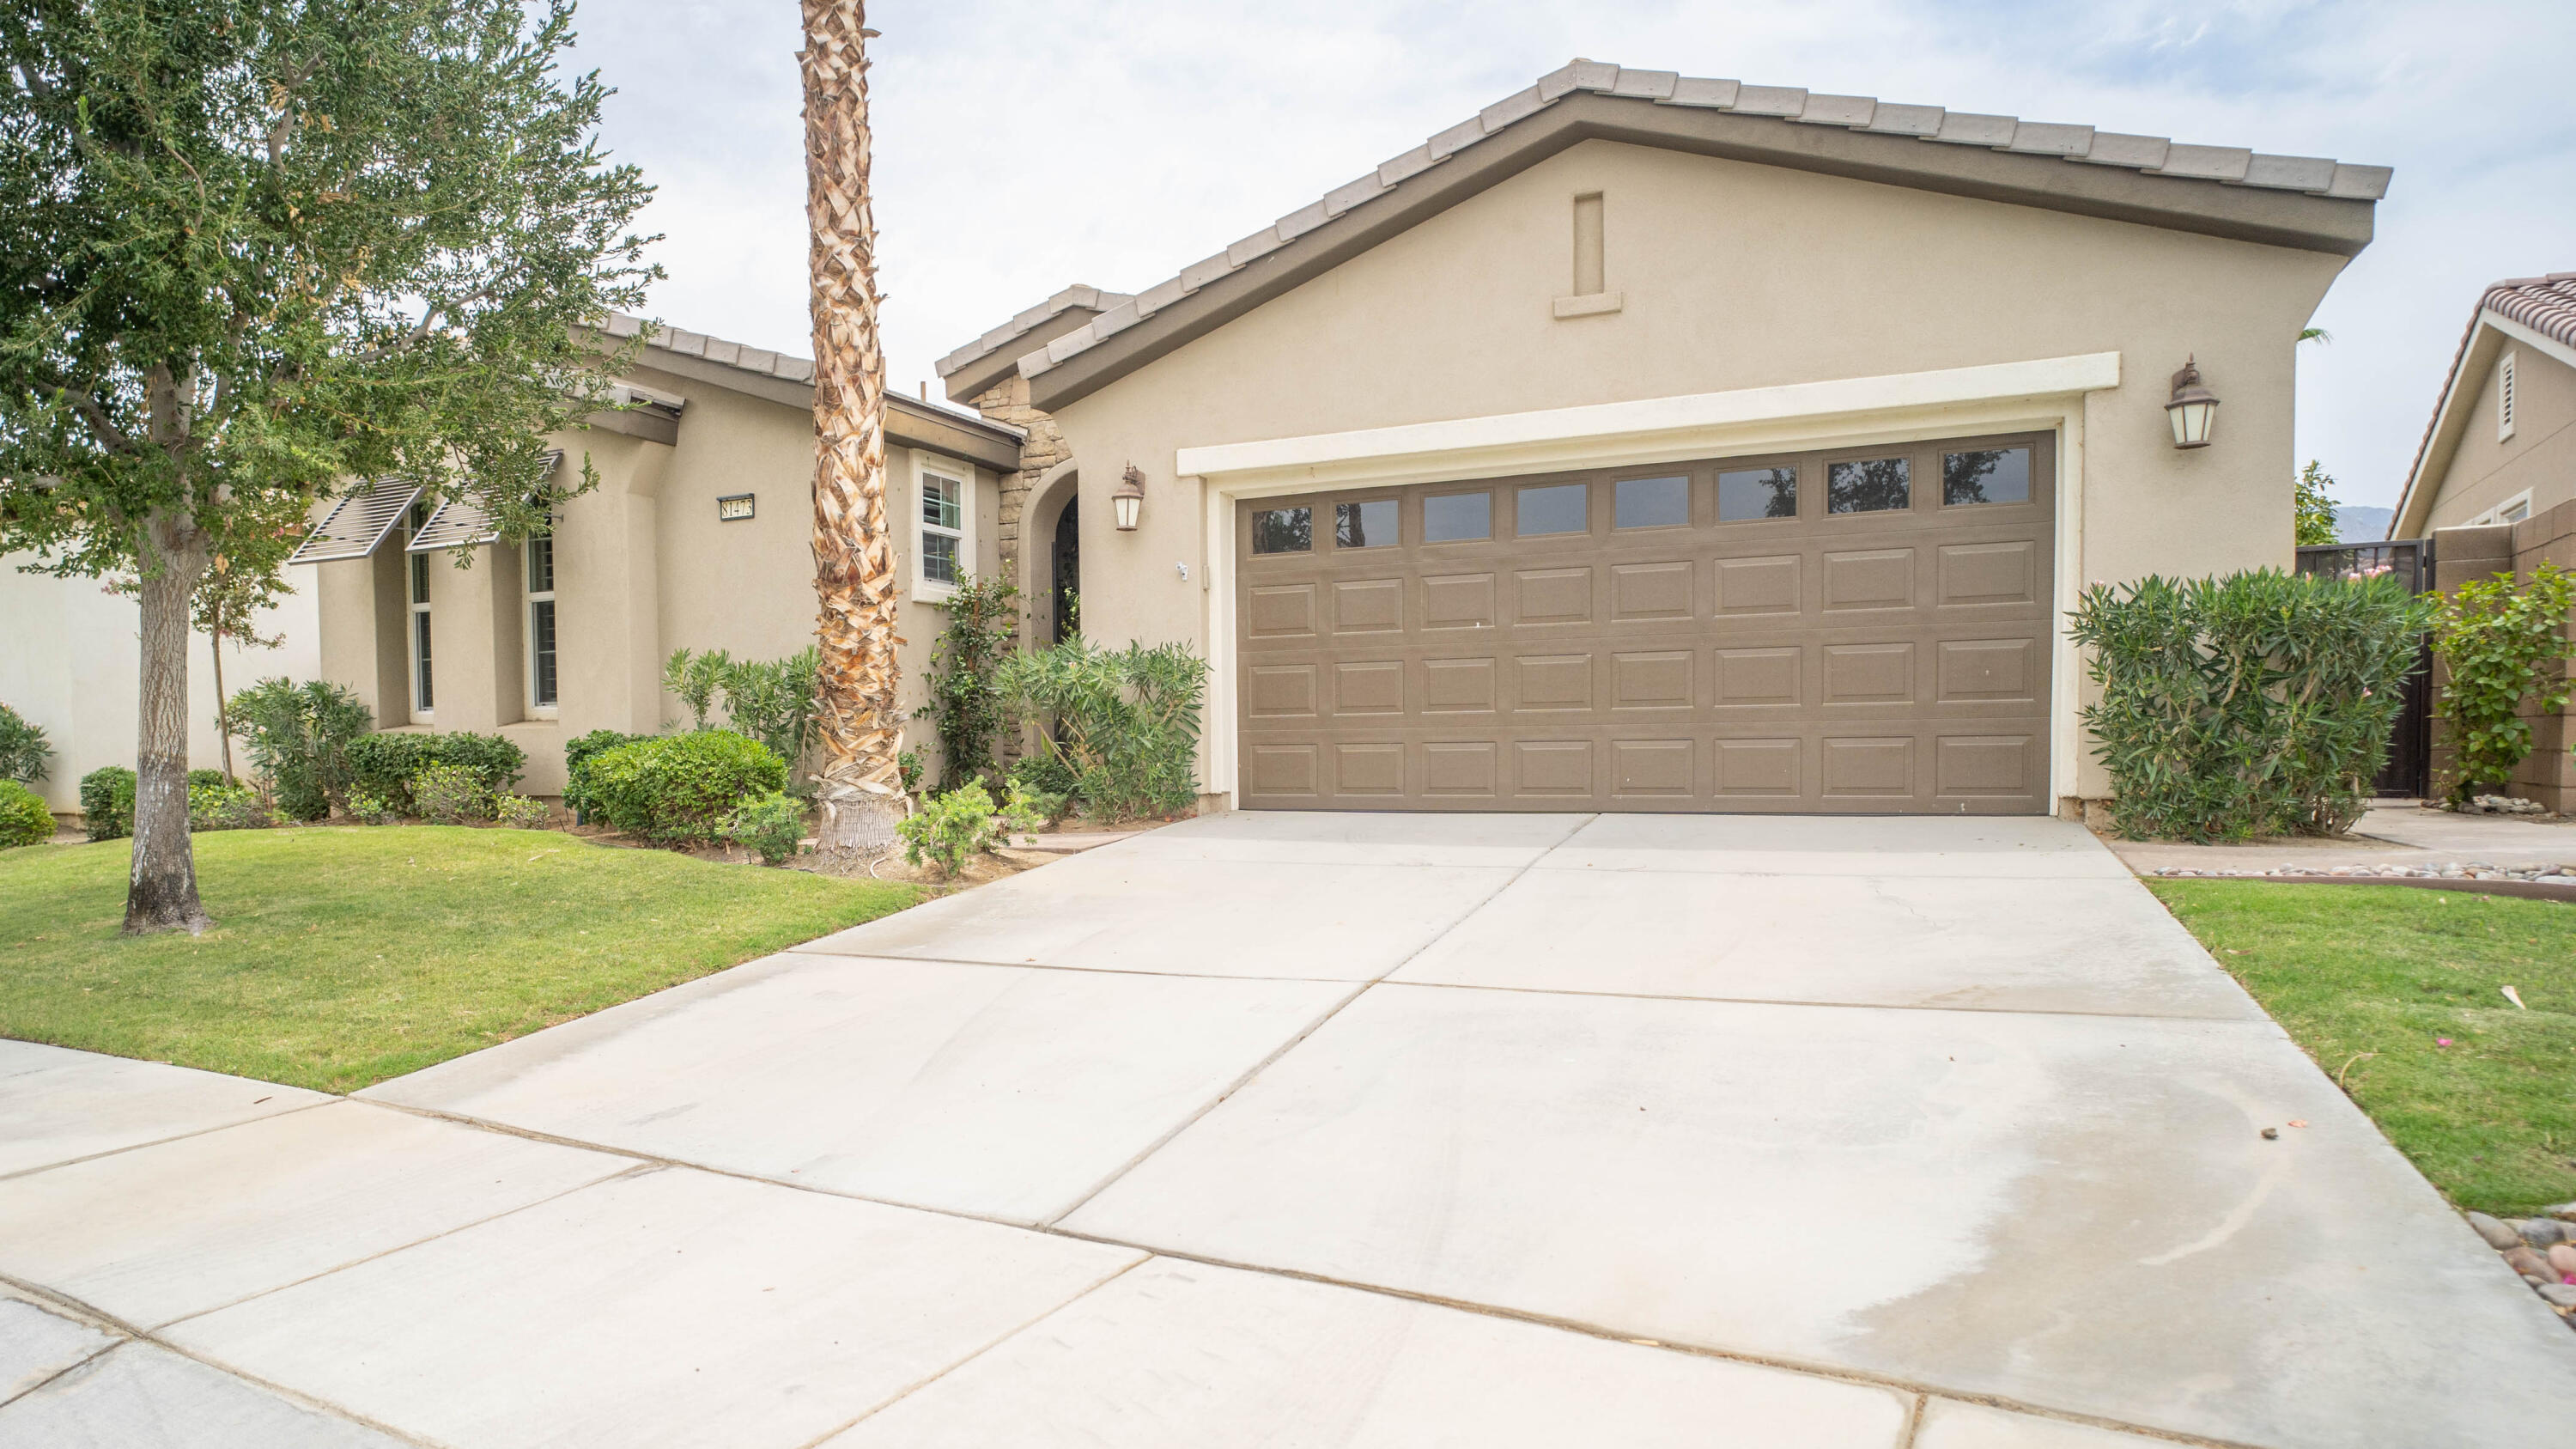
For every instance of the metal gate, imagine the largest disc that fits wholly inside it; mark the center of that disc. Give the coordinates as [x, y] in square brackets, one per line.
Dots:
[2409, 768]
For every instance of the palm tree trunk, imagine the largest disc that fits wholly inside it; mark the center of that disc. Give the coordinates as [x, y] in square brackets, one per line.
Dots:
[856, 716]
[161, 893]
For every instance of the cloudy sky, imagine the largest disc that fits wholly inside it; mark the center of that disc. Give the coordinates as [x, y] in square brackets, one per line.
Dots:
[1025, 144]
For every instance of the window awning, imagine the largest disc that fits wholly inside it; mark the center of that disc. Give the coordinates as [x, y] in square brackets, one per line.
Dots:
[462, 522]
[357, 524]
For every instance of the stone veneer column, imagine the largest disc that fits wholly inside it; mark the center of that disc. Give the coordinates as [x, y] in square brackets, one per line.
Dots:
[1008, 402]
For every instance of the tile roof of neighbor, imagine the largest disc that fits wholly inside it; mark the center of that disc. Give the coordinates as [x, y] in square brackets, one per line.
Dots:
[785, 366]
[2546, 305]
[2152, 155]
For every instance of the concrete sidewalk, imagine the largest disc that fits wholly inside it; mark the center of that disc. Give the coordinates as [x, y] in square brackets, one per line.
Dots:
[1315, 1130]
[2388, 835]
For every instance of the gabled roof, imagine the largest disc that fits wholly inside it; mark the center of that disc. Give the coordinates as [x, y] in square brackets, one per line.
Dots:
[1029, 325]
[2540, 311]
[2299, 201]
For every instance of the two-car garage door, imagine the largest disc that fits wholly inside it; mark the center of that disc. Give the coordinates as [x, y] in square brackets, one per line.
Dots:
[1861, 630]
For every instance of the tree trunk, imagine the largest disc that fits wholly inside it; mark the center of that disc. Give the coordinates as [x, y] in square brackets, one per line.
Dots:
[161, 895]
[223, 707]
[856, 716]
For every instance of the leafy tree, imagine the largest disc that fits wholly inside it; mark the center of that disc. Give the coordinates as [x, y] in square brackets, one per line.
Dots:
[2316, 511]
[253, 249]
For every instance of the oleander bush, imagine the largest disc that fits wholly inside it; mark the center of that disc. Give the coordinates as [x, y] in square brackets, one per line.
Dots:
[681, 788]
[2504, 642]
[300, 737]
[2251, 705]
[384, 764]
[26, 755]
[107, 802]
[24, 820]
[1118, 729]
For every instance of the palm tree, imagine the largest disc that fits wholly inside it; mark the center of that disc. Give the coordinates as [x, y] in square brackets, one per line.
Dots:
[854, 568]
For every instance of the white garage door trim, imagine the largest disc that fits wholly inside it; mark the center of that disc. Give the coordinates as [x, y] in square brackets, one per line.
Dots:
[2047, 394]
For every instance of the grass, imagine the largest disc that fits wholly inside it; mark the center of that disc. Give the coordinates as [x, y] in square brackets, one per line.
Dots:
[2368, 979]
[344, 956]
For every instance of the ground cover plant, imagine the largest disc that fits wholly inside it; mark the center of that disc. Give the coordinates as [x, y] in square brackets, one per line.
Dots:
[2502, 642]
[2251, 705]
[344, 956]
[2399, 994]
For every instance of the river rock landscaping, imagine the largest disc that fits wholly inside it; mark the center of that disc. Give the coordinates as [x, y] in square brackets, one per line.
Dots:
[2542, 1250]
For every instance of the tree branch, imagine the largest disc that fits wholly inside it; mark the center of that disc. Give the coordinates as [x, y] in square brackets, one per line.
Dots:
[94, 413]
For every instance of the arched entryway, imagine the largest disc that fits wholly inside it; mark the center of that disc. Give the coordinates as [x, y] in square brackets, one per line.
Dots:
[1065, 560]
[1051, 577]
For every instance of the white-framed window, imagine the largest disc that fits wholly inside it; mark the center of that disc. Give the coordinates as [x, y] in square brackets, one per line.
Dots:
[943, 526]
[416, 591]
[2504, 399]
[537, 582]
[2512, 510]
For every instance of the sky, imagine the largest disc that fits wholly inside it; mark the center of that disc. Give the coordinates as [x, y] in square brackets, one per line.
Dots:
[1024, 145]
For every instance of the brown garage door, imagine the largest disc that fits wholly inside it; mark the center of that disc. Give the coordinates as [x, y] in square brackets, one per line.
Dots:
[1861, 630]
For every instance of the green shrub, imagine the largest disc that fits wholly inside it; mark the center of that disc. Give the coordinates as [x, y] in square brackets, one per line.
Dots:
[25, 754]
[385, 763]
[450, 795]
[578, 753]
[966, 699]
[696, 679]
[107, 802]
[220, 805]
[521, 812]
[24, 820]
[2504, 643]
[907, 770]
[773, 701]
[368, 808]
[1120, 727]
[2256, 704]
[300, 737]
[770, 825]
[948, 828]
[680, 788]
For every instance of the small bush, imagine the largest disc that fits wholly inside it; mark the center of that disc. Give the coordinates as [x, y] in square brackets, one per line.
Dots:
[680, 788]
[2504, 642]
[384, 764]
[372, 809]
[521, 812]
[949, 828]
[1120, 727]
[773, 701]
[107, 802]
[300, 736]
[219, 805]
[2256, 704]
[24, 820]
[770, 825]
[907, 770]
[578, 753]
[25, 755]
[450, 795]
[966, 700]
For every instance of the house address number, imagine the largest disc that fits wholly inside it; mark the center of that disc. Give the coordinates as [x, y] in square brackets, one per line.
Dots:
[733, 508]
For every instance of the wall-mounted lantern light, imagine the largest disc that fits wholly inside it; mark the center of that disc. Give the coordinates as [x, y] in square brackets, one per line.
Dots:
[1129, 499]
[2194, 408]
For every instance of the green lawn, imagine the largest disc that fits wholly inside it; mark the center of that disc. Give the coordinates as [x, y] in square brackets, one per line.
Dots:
[343, 956]
[2491, 1118]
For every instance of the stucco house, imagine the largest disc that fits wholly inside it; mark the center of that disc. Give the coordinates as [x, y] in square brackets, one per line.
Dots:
[697, 537]
[2494, 481]
[1646, 442]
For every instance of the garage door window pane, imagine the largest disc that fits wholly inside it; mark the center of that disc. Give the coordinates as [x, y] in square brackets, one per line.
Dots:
[1557, 508]
[1450, 517]
[1364, 525]
[1868, 485]
[1650, 502]
[1283, 530]
[1757, 493]
[1986, 475]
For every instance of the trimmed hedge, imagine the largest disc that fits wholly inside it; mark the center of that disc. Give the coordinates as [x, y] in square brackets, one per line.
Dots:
[681, 788]
[578, 753]
[107, 802]
[384, 764]
[24, 820]
[2256, 704]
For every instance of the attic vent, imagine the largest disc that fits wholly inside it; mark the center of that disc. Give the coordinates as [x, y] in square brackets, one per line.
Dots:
[2504, 398]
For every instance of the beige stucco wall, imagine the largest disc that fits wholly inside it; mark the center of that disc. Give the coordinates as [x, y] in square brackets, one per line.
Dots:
[2540, 456]
[1734, 276]
[71, 662]
[643, 567]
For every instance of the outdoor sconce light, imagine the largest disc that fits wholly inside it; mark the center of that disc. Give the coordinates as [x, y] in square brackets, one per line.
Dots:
[1129, 499]
[2193, 410]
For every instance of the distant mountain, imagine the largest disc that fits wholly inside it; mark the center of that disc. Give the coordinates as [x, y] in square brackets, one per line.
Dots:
[2355, 523]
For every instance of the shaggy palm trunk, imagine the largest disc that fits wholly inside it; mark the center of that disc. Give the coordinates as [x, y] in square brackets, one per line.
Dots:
[854, 567]
[161, 895]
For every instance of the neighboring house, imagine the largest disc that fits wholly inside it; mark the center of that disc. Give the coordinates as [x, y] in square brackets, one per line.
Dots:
[698, 537]
[73, 664]
[1656, 443]
[2494, 482]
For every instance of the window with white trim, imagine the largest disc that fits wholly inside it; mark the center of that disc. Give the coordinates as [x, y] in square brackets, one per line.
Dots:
[944, 526]
[2504, 399]
[538, 584]
[416, 590]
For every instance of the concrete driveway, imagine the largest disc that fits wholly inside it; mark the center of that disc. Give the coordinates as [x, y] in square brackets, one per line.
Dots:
[1314, 1130]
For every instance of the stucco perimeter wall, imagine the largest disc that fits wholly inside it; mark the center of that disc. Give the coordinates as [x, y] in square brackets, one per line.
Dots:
[2541, 454]
[643, 566]
[1735, 275]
